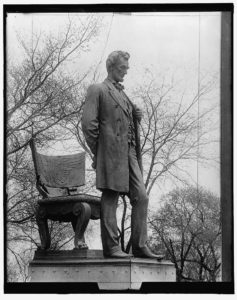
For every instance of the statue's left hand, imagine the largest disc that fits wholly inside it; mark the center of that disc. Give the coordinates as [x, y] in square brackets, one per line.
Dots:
[94, 163]
[138, 114]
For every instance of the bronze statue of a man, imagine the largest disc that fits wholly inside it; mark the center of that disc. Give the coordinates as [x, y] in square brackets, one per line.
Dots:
[108, 125]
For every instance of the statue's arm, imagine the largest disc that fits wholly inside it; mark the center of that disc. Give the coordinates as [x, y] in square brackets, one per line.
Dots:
[90, 118]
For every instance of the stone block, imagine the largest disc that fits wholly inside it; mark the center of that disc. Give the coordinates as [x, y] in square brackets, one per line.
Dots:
[91, 266]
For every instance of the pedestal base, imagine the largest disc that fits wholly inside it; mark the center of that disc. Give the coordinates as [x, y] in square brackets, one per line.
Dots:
[91, 266]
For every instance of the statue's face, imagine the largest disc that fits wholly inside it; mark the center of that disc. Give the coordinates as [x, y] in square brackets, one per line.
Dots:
[119, 70]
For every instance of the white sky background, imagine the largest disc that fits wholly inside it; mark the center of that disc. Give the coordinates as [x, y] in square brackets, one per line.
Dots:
[164, 42]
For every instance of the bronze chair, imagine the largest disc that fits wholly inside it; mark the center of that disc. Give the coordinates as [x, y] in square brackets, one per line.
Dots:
[58, 179]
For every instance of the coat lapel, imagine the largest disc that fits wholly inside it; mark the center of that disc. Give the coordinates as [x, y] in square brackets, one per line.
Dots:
[115, 95]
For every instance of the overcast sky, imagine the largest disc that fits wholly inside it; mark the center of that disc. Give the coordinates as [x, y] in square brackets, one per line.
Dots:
[160, 41]
[164, 39]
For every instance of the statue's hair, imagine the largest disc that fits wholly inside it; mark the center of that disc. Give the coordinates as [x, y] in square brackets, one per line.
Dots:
[114, 57]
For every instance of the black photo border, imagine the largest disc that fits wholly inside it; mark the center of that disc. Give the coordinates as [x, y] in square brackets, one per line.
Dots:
[227, 284]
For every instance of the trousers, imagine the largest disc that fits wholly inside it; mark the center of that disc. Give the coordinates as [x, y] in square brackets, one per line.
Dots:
[139, 202]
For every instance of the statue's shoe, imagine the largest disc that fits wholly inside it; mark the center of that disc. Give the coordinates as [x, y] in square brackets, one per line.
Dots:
[118, 254]
[145, 252]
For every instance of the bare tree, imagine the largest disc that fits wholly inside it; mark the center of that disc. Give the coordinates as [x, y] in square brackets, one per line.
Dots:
[188, 227]
[41, 93]
[174, 130]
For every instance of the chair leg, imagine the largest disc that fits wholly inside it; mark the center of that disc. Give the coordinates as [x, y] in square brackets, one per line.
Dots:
[83, 213]
[42, 223]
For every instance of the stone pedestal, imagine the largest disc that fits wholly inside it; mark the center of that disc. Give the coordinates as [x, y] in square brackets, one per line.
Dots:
[91, 266]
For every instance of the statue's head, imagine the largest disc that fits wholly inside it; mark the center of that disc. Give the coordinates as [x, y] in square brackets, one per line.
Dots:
[117, 65]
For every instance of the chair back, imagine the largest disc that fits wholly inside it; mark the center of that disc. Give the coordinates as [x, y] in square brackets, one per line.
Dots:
[64, 172]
